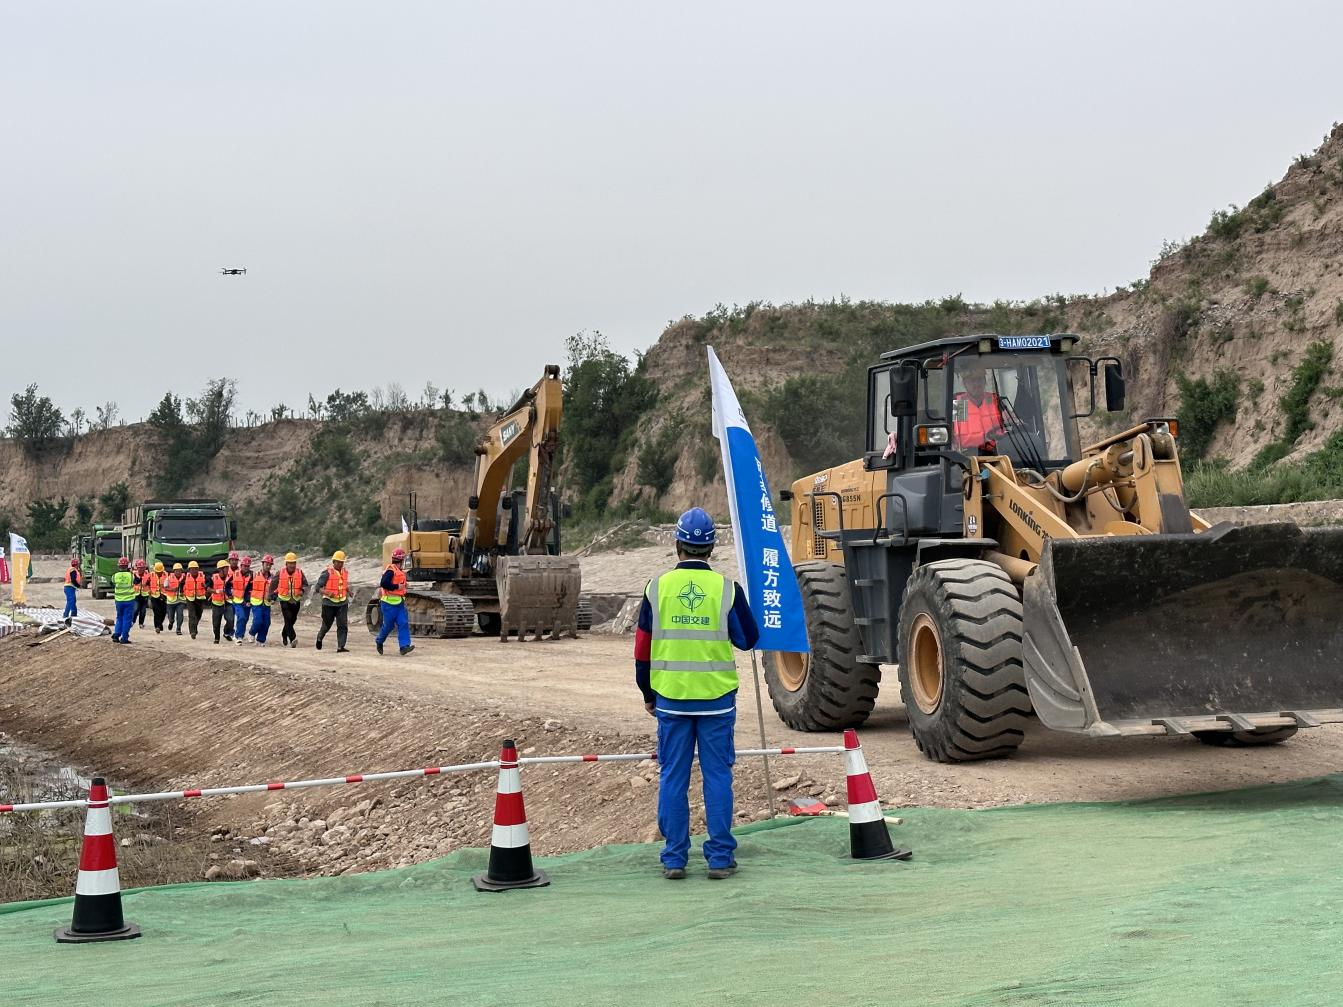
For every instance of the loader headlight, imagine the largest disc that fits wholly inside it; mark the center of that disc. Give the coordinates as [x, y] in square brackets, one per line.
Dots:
[933, 436]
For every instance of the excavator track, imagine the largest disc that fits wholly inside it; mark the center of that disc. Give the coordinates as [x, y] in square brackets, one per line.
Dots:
[539, 595]
[439, 614]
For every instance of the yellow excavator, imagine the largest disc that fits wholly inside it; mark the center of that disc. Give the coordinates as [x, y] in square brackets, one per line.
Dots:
[1008, 571]
[499, 567]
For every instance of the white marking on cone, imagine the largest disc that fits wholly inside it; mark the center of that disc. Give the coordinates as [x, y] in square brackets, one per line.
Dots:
[98, 822]
[510, 781]
[98, 882]
[510, 837]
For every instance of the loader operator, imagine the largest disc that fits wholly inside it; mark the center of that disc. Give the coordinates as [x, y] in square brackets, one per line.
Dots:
[976, 411]
[689, 621]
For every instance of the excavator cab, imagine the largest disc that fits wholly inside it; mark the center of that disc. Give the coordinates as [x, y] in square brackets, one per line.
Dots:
[1006, 570]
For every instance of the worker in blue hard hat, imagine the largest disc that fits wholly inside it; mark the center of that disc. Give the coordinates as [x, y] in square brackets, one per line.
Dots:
[690, 620]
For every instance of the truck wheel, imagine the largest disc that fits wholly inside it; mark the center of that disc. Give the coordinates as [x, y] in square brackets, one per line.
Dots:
[827, 689]
[98, 594]
[1246, 739]
[960, 670]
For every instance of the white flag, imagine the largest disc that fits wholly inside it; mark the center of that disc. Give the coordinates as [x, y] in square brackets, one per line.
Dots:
[405, 528]
[17, 544]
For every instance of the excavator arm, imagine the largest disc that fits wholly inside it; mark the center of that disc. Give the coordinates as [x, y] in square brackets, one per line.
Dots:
[531, 426]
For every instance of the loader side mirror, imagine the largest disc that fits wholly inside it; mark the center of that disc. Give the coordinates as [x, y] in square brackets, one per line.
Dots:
[904, 390]
[1114, 387]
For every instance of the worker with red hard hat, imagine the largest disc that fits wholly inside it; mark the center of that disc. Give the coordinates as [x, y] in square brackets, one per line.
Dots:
[230, 610]
[73, 582]
[392, 603]
[141, 575]
[240, 585]
[261, 591]
[124, 593]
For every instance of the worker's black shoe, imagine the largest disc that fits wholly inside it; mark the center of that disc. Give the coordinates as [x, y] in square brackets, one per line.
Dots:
[294, 642]
[179, 632]
[342, 650]
[378, 645]
[319, 644]
[406, 650]
[720, 873]
[674, 873]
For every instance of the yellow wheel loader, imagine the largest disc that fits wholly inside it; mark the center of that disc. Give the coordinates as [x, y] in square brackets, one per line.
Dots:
[499, 567]
[1009, 571]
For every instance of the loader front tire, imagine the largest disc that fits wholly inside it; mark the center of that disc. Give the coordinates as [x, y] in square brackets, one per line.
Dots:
[1246, 739]
[960, 661]
[828, 689]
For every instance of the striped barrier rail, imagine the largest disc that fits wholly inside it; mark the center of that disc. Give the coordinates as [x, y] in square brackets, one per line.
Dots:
[400, 774]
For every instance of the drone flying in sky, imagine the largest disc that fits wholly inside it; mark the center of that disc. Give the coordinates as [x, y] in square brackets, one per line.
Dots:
[234, 272]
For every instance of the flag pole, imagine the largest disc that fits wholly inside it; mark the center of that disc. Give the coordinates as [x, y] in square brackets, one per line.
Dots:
[760, 716]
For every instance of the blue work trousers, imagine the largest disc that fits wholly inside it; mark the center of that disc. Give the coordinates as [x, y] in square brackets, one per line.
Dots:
[395, 615]
[678, 736]
[70, 607]
[240, 620]
[121, 630]
[260, 622]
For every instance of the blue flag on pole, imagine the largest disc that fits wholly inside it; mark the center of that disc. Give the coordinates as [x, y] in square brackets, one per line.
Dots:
[766, 571]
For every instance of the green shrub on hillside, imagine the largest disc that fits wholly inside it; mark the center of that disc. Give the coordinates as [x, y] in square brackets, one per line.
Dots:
[1318, 476]
[657, 459]
[1203, 406]
[1295, 403]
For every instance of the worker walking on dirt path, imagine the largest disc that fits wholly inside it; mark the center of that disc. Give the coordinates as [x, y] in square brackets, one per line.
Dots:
[240, 586]
[141, 592]
[260, 593]
[172, 597]
[230, 612]
[689, 621]
[392, 603]
[334, 586]
[194, 593]
[157, 602]
[125, 595]
[72, 584]
[289, 584]
[221, 612]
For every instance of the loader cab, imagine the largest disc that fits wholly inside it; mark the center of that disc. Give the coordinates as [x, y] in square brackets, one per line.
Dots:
[983, 394]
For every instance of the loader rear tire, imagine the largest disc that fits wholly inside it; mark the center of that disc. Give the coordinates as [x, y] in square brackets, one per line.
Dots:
[828, 689]
[1246, 739]
[960, 661]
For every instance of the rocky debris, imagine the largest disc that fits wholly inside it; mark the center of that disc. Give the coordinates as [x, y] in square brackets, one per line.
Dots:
[786, 782]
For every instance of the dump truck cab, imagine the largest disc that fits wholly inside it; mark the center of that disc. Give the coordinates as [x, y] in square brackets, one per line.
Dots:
[1006, 569]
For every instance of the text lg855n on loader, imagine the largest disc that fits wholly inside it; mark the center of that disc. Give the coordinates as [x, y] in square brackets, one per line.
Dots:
[1008, 571]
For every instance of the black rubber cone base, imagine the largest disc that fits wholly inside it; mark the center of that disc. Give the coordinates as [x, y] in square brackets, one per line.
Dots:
[64, 935]
[483, 883]
[895, 854]
[872, 841]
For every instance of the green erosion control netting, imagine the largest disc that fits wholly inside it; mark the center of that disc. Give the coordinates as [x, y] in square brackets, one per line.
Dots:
[1213, 899]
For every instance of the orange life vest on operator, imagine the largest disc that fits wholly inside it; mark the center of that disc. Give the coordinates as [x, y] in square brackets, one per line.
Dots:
[260, 586]
[193, 586]
[290, 587]
[336, 590]
[979, 421]
[218, 589]
[395, 594]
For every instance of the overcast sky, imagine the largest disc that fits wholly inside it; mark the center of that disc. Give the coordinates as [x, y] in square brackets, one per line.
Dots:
[445, 191]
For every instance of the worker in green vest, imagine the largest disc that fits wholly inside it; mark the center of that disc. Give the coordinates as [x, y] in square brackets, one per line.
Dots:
[124, 593]
[689, 622]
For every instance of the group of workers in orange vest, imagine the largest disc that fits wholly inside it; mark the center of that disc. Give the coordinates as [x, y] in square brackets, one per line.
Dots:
[240, 598]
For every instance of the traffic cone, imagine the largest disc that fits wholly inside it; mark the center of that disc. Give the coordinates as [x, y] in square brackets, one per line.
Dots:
[869, 838]
[510, 845]
[98, 887]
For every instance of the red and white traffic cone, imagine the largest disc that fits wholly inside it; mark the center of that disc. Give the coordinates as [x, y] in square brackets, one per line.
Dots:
[869, 838]
[98, 888]
[510, 845]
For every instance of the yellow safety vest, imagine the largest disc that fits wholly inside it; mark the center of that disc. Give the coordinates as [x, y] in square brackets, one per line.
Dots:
[691, 655]
[123, 586]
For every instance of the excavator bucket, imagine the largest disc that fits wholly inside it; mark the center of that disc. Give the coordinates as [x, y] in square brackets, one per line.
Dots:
[1232, 629]
[539, 595]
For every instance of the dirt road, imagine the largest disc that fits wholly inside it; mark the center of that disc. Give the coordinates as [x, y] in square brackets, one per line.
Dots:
[587, 685]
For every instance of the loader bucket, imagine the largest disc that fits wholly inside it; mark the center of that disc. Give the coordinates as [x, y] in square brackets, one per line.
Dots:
[1232, 629]
[538, 595]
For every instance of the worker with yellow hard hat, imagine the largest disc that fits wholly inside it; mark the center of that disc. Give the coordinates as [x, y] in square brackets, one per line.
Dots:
[221, 611]
[290, 583]
[172, 597]
[157, 603]
[334, 587]
[194, 593]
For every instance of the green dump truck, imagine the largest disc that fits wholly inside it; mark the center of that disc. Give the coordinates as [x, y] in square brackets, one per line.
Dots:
[178, 531]
[102, 564]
